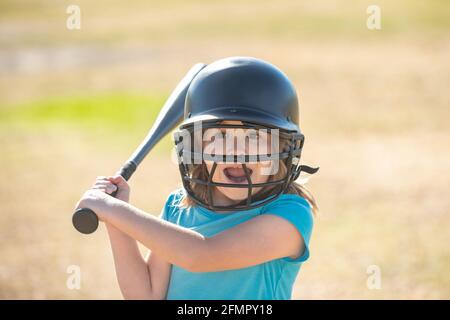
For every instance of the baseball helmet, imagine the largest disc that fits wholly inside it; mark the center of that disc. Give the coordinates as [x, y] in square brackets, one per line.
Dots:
[260, 96]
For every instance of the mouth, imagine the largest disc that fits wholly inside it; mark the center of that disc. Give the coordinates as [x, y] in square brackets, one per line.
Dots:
[236, 174]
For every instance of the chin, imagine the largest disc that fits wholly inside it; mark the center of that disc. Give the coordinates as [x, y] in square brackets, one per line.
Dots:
[238, 195]
[233, 194]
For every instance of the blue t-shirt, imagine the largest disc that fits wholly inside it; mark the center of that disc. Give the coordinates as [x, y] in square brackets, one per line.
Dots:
[270, 280]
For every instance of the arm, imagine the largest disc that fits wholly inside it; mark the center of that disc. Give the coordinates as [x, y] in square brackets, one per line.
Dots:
[159, 271]
[258, 240]
[137, 278]
[131, 270]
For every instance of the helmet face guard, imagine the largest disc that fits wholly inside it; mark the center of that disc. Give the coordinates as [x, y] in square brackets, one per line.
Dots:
[191, 160]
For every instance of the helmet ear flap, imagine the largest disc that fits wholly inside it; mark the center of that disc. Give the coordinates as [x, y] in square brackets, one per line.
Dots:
[296, 167]
[306, 169]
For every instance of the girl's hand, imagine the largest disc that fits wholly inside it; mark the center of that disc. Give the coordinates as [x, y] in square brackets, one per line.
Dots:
[98, 201]
[111, 184]
[97, 198]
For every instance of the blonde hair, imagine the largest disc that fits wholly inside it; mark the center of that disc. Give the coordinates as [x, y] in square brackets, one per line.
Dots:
[200, 171]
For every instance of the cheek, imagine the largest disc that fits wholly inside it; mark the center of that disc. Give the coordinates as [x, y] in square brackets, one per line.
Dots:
[218, 173]
[209, 166]
[260, 178]
[262, 172]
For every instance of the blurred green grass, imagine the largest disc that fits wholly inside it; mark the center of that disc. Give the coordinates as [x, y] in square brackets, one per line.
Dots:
[121, 116]
[123, 110]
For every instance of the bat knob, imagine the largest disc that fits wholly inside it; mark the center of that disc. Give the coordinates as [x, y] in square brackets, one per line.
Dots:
[85, 220]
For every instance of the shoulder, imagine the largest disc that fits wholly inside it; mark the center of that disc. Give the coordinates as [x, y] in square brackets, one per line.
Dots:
[175, 197]
[294, 209]
[172, 203]
[290, 202]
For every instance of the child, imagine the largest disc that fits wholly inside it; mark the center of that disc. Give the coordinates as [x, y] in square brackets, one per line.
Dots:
[239, 228]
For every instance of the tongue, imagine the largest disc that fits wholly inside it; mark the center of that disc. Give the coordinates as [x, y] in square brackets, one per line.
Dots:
[236, 172]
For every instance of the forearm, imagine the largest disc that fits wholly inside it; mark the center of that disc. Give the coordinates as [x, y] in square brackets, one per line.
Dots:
[177, 245]
[131, 269]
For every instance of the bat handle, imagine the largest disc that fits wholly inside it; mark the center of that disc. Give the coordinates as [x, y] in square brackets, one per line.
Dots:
[84, 219]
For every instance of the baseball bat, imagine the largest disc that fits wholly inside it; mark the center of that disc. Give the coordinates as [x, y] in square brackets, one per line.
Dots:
[85, 220]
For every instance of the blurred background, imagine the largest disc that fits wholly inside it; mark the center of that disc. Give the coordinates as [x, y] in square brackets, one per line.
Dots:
[74, 104]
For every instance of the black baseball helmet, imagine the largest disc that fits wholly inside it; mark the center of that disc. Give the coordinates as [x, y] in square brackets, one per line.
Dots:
[260, 96]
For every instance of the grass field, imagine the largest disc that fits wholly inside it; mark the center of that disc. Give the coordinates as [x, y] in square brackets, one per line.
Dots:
[374, 109]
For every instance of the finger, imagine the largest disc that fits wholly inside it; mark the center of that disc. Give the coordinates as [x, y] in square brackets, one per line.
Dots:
[111, 188]
[101, 184]
[106, 189]
[102, 188]
[118, 180]
[106, 184]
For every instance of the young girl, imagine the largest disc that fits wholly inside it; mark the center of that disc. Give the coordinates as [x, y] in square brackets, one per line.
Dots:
[239, 228]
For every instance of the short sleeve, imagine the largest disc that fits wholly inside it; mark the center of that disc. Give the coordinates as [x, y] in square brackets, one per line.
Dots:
[163, 215]
[171, 202]
[297, 211]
